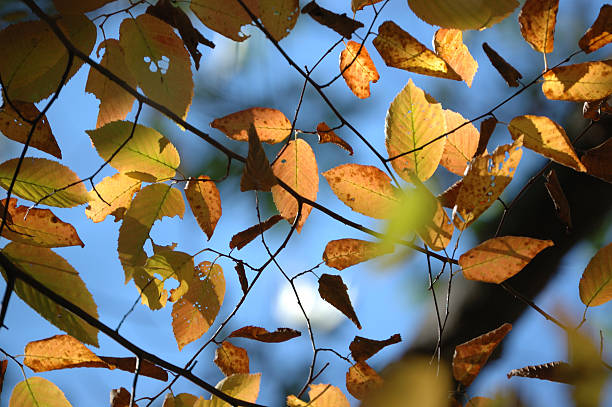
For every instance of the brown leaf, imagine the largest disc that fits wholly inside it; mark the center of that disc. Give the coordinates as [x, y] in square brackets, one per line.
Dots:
[449, 46]
[340, 23]
[231, 359]
[471, 356]
[327, 135]
[257, 174]
[562, 208]
[272, 125]
[600, 33]
[357, 69]
[460, 145]
[244, 283]
[598, 161]
[592, 110]
[245, 237]
[15, 128]
[343, 253]
[263, 335]
[357, 5]
[487, 127]
[507, 71]
[361, 380]
[121, 398]
[448, 198]
[205, 202]
[3, 365]
[333, 290]
[537, 20]
[129, 365]
[560, 372]
[364, 348]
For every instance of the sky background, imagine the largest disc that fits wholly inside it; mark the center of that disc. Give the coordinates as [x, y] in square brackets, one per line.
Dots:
[387, 299]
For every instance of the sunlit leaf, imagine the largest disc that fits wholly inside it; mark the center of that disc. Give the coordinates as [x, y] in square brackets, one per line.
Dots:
[60, 352]
[600, 33]
[357, 5]
[507, 71]
[560, 372]
[225, 17]
[245, 237]
[55, 273]
[263, 335]
[279, 16]
[364, 348]
[596, 282]
[327, 135]
[340, 23]
[83, 6]
[460, 145]
[436, 230]
[37, 392]
[364, 188]
[413, 120]
[257, 174]
[321, 395]
[546, 137]
[169, 264]
[588, 81]
[231, 359]
[185, 400]
[343, 253]
[361, 380]
[449, 46]
[357, 69]
[401, 50]
[205, 202]
[333, 290]
[537, 20]
[113, 197]
[463, 14]
[241, 386]
[598, 160]
[272, 125]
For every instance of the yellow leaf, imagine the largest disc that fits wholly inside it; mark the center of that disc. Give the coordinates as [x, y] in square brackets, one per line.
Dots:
[116, 193]
[546, 137]
[333, 290]
[241, 386]
[205, 202]
[357, 5]
[60, 352]
[321, 395]
[279, 16]
[344, 253]
[588, 81]
[598, 160]
[36, 392]
[600, 33]
[361, 70]
[257, 174]
[463, 14]
[460, 145]
[296, 166]
[499, 258]
[231, 359]
[225, 17]
[596, 281]
[413, 120]
[272, 125]
[169, 264]
[361, 380]
[537, 20]
[449, 46]
[364, 188]
[401, 50]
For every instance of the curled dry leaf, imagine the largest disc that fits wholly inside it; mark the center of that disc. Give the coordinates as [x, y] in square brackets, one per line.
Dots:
[112, 196]
[449, 46]
[472, 355]
[364, 348]
[537, 20]
[460, 145]
[120, 398]
[499, 258]
[245, 237]
[271, 125]
[487, 127]
[361, 380]
[463, 14]
[242, 278]
[333, 290]
[263, 335]
[343, 253]
[257, 174]
[357, 5]
[562, 208]
[598, 161]
[205, 202]
[327, 135]
[231, 359]
[600, 33]
[588, 81]
[596, 282]
[560, 372]
[357, 69]
[340, 23]
[507, 71]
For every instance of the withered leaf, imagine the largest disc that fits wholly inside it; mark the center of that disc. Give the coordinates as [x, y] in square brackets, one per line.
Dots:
[357, 69]
[257, 174]
[340, 23]
[327, 135]
[3, 365]
[361, 380]
[600, 33]
[343, 253]
[562, 208]
[263, 335]
[507, 71]
[598, 161]
[231, 359]
[364, 348]
[244, 283]
[120, 398]
[560, 372]
[333, 290]
[357, 5]
[245, 237]
[129, 365]
[448, 198]
[487, 127]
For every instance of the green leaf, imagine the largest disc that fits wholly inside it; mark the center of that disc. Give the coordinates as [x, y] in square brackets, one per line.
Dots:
[37, 392]
[55, 273]
[596, 282]
[147, 152]
[39, 178]
[463, 14]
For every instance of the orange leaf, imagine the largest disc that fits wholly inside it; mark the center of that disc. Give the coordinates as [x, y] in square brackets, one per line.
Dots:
[116, 193]
[600, 33]
[364, 348]
[471, 356]
[224, 17]
[296, 166]
[499, 258]
[449, 46]
[327, 135]
[263, 335]
[245, 237]
[333, 290]
[272, 125]
[507, 71]
[257, 174]
[340, 23]
[357, 5]
[344, 253]
[361, 380]
[205, 202]
[598, 160]
[537, 20]
[357, 69]
[231, 359]
[588, 81]
[60, 352]
[460, 145]
[278, 16]
[596, 282]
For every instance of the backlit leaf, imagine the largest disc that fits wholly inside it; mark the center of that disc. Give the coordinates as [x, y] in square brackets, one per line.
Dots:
[507, 71]
[147, 155]
[60, 352]
[449, 46]
[15, 128]
[460, 145]
[116, 197]
[537, 20]
[463, 14]
[272, 125]
[225, 17]
[436, 230]
[245, 237]
[344, 253]
[170, 264]
[598, 160]
[40, 178]
[357, 5]
[472, 355]
[205, 202]
[195, 312]
[321, 395]
[296, 166]
[364, 188]
[500, 258]
[327, 135]
[596, 282]
[340, 23]
[40, 228]
[55, 273]
[159, 61]
[364, 348]
[241, 386]
[361, 70]
[37, 392]
[263, 335]
[231, 359]
[413, 120]
[588, 81]
[546, 137]
[600, 33]
[361, 380]
[401, 50]
[184, 400]
[279, 16]
[333, 290]
[257, 174]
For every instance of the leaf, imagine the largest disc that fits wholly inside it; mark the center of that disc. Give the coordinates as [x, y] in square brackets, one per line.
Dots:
[333, 290]
[344, 253]
[55, 273]
[158, 60]
[537, 20]
[413, 120]
[272, 125]
[437, 229]
[36, 392]
[449, 196]
[463, 14]
[600, 33]
[195, 312]
[241, 386]
[507, 71]
[596, 282]
[60, 352]
[129, 365]
[34, 60]
[449, 46]
[242, 278]
[357, 69]
[499, 258]
[257, 174]
[472, 355]
[340, 23]
[263, 335]
[401, 50]
[485, 180]
[17, 129]
[588, 81]
[279, 16]
[327, 135]
[116, 194]
[460, 145]
[321, 395]
[245, 237]
[231, 359]
[169, 264]
[225, 17]
[185, 400]
[40, 178]
[598, 162]
[357, 5]
[546, 137]
[147, 155]
[121, 398]
[562, 208]
[296, 166]
[487, 127]
[364, 188]
[364, 348]
[115, 102]
[40, 228]
[205, 202]
[559, 372]
[3, 364]
[83, 6]
[362, 380]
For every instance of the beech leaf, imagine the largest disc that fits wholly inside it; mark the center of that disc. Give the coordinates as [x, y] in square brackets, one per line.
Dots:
[225, 17]
[537, 20]
[357, 69]
[279, 16]
[562, 207]
[340, 23]
[487, 127]
[35, 392]
[463, 14]
[205, 202]
[600, 33]
[437, 230]
[263, 335]
[327, 135]
[344, 253]
[242, 278]
[231, 359]
[598, 160]
[460, 145]
[321, 395]
[507, 71]
[121, 397]
[364, 348]
[357, 5]
[333, 290]
[449, 46]
[596, 282]
[113, 197]
[257, 174]
[560, 372]
[129, 365]
[272, 125]
[448, 198]
[587, 81]
[245, 237]
[361, 380]
[168, 264]
[60, 352]
[240, 386]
